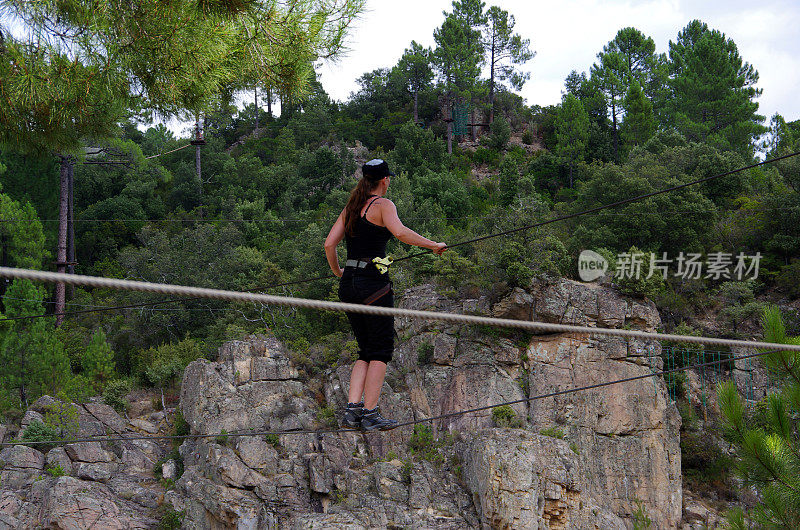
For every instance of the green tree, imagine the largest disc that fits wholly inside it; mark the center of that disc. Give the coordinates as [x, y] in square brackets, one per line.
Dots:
[458, 56]
[414, 70]
[505, 49]
[572, 132]
[32, 359]
[98, 361]
[713, 90]
[22, 240]
[639, 124]
[766, 456]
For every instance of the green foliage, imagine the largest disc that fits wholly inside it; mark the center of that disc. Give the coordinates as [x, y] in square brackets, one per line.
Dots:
[98, 360]
[22, 234]
[273, 440]
[32, 358]
[222, 437]
[713, 90]
[37, 431]
[163, 366]
[56, 471]
[327, 416]
[500, 133]
[425, 353]
[171, 519]
[764, 457]
[423, 444]
[572, 132]
[629, 282]
[505, 416]
[739, 304]
[641, 520]
[553, 432]
[115, 394]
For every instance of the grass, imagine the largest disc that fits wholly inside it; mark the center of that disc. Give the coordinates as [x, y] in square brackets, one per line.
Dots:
[553, 432]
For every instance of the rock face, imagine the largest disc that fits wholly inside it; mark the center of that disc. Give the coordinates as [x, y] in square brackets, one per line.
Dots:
[584, 460]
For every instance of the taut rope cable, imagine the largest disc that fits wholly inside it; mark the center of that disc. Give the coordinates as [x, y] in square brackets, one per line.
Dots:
[167, 152]
[403, 424]
[217, 294]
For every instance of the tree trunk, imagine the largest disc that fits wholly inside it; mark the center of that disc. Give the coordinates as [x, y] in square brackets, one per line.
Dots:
[491, 83]
[61, 243]
[197, 165]
[269, 102]
[71, 227]
[614, 136]
[416, 106]
[256, 104]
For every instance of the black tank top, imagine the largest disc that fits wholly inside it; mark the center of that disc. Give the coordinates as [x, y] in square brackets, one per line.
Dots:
[368, 239]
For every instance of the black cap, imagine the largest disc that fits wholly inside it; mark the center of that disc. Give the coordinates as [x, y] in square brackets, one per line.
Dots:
[376, 169]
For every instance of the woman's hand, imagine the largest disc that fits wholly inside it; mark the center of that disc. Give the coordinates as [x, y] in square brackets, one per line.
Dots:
[439, 248]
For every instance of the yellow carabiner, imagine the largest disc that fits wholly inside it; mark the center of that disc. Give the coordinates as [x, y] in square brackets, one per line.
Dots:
[382, 264]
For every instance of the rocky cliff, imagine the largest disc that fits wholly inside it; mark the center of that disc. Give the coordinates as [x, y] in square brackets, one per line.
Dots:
[594, 459]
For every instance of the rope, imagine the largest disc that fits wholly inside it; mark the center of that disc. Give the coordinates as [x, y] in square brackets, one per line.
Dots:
[403, 424]
[167, 152]
[218, 294]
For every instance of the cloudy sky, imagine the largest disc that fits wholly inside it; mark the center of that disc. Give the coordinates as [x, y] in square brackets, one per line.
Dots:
[568, 34]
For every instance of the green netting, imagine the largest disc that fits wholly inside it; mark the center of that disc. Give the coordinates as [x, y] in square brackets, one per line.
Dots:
[460, 119]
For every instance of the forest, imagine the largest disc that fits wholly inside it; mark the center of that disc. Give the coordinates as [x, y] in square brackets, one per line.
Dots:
[253, 213]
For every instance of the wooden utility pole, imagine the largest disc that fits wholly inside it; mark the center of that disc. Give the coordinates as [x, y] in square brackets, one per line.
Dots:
[67, 165]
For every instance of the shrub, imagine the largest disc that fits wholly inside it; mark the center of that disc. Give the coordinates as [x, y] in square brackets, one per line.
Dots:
[273, 440]
[36, 431]
[222, 437]
[327, 416]
[425, 352]
[500, 133]
[553, 432]
[56, 471]
[505, 416]
[163, 366]
[423, 444]
[528, 137]
[171, 519]
[115, 394]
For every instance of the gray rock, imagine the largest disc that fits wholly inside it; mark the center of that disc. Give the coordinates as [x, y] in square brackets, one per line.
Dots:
[88, 452]
[107, 416]
[30, 417]
[43, 404]
[21, 457]
[95, 471]
[144, 425]
[257, 454]
[70, 503]
[169, 469]
[58, 457]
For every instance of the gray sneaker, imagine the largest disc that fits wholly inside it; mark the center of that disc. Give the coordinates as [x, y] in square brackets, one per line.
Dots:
[372, 420]
[352, 415]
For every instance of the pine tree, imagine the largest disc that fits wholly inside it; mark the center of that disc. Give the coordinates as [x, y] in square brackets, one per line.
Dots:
[32, 359]
[505, 49]
[98, 360]
[639, 124]
[414, 72]
[767, 446]
[572, 132]
[713, 90]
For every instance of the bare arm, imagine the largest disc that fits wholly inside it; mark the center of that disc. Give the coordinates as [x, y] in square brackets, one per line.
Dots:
[335, 236]
[402, 232]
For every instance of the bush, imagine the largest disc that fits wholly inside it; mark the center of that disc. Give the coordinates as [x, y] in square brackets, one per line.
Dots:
[327, 417]
[500, 134]
[37, 431]
[528, 137]
[171, 519]
[163, 366]
[553, 432]
[425, 352]
[115, 394]
[423, 444]
[98, 360]
[56, 471]
[505, 416]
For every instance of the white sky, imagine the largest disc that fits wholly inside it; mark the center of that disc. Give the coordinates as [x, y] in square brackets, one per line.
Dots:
[568, 34]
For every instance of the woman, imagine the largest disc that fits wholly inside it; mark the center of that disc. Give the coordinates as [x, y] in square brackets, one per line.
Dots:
[367, 222]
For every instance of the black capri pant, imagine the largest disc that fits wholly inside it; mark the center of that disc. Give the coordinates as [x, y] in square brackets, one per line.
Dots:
[374, 333]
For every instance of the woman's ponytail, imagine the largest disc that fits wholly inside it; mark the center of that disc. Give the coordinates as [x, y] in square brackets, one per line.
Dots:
[358, 197]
